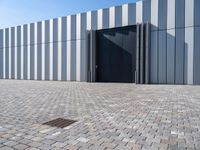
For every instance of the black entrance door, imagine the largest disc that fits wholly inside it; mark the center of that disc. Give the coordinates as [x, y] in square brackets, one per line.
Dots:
[116, 55]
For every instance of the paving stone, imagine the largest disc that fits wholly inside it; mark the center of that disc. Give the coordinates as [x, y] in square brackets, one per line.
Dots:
[109, 116]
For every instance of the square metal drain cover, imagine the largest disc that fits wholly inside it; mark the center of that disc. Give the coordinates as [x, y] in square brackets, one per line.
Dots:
[60, 122]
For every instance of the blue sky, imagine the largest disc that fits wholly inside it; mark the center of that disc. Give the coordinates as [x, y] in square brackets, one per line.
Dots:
[17, 12]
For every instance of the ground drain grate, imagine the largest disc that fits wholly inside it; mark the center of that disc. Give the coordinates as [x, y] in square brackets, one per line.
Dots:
[60, 122]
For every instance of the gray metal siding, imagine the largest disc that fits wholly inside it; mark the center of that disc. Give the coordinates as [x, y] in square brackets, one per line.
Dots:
[180, 55]
[162, 61]
[55, 49]
[197, 56]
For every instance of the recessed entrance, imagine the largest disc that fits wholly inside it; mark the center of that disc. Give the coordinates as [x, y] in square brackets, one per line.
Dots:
[116, 55]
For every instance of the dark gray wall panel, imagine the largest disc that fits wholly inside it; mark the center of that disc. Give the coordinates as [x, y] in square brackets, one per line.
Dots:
[25, 65]
[6, 37]
[83, 26]
[19, 62]
[1, 39]
[197, 12]
[39, 33]
[146, 11]
[162, 14]
[73, 60]
[1, 63]
[64, 29]
[25, 35]
[170, 56]
[105, 21]
[7, 62]
[55, 30]
[32, 47]
[55, 61]
[12, 37]
[162, 61]
[180, 55]
[18, 35]
[73, 27]
[180, 13]
[47, 55]
[94, 20]
[47, 31]
[118, 16]
[39, 62]
[32, 33]
[197, 56]
[64, 61]
[13, 62]
[154, 58]
[131, 14]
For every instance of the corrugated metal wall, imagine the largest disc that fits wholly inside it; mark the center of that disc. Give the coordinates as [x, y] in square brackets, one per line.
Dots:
[56, 49]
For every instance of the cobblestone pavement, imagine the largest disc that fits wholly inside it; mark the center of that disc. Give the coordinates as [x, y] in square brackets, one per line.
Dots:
[110, 116]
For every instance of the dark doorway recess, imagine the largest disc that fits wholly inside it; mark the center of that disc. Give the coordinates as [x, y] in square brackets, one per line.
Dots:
[116, 54]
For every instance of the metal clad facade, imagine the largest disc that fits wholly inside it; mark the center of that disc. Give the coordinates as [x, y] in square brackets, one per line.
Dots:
[56, 49]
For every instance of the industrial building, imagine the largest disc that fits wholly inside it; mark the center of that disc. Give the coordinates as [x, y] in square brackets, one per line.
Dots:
[147, 42]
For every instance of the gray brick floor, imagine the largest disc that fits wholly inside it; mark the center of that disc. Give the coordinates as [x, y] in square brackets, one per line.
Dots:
[110, 116]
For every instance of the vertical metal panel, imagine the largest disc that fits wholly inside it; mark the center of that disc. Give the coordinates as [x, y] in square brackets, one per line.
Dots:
[197, 12]
[105, 18]
[51, 64]
[162, 61]
[171, 56]
[180, 50]
[64, 61]
[91, 20]
[189, 13]
[154, 15]
[125, 15]
[39, 50]
[139, 12]
[43, 50]
[47, 61]
[25, 38]
[1, 63]
[64, 49]
[18, 52]
[132, 14]
[22, 53]
[118, 16]
[84, 61]
[142, 54]
[28, 52]
[4, 54]
[68, 28]
[197, 56]
[32, 33]
[32, 58]
[69, 60]
[64, 29]
[25, 48]
[154, 57]
[73, 27]
[78, 60]
[73, 60]
[7, 53]
[1, 38]
[180, 13]
[189, 48]
[147, 52]
[162, 14]
[83, 26]
[9, 57]
[59, 48]
[47, 31]
[146, 11]
[13, 53]
[1, 54]
[112, 17]
[55, 49]
[171, 14]
[35, 50]
[100, 19]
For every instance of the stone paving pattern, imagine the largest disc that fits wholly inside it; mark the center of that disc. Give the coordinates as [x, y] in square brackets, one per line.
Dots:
[110, 116]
